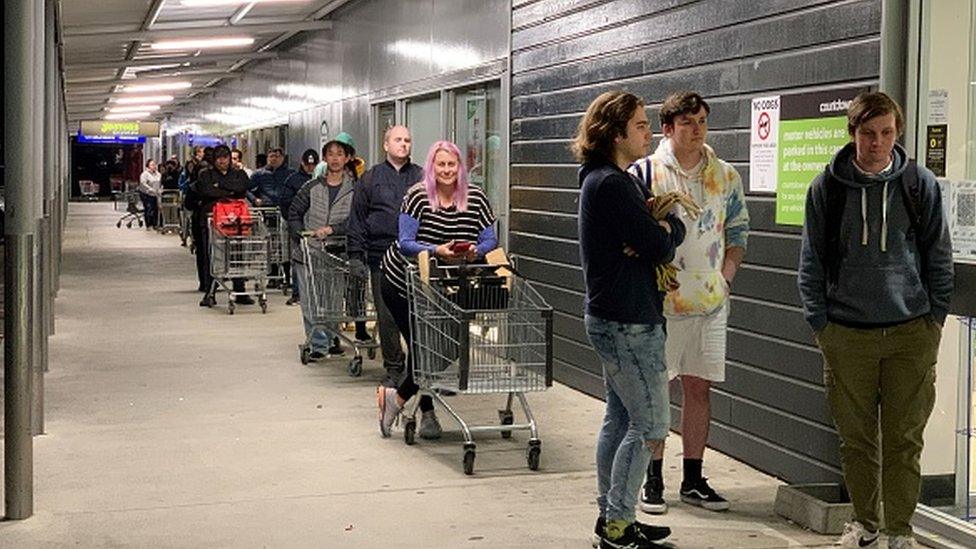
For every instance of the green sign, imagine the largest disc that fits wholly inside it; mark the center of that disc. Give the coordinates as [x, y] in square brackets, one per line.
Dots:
[805, 148]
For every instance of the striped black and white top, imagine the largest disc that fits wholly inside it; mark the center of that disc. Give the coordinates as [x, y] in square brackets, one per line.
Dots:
[436, 228]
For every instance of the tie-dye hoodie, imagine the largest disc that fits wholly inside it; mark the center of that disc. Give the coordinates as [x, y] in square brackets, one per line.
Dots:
[717, 188]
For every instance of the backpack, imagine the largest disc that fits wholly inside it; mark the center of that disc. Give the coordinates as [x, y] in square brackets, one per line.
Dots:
[232, 218]
[836, 201]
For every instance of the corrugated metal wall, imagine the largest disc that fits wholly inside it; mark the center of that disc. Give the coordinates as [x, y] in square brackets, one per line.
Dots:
[771, 411]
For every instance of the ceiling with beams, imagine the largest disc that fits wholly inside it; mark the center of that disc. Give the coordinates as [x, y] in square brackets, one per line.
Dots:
[111, 44]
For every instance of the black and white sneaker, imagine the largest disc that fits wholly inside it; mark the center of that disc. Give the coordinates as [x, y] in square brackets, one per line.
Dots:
[651, 532]
[701, 495]
[652, 497]
[633, 538]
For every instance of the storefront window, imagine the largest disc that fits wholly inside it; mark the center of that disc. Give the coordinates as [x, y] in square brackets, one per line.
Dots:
[424, 121]
[477, 130]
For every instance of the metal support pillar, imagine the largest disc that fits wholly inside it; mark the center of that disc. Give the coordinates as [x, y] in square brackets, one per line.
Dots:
[18, 64]
[38, 324]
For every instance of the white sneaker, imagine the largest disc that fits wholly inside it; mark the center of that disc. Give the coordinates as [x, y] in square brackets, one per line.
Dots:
[902, 542]
[856, 536]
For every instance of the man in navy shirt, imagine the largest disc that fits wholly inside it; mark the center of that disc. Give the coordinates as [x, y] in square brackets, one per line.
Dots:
[374, 225]
[621, 245]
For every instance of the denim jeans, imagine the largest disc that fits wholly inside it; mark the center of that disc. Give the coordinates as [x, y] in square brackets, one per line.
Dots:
[636, 383]
[319, 341]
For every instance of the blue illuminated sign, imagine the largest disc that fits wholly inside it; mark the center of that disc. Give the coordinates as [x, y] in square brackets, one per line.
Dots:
[112, 139]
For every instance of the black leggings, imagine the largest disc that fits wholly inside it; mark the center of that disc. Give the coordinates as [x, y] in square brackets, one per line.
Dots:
[399, 308]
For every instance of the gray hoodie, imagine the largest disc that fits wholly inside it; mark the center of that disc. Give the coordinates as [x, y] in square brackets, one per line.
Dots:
[881, 281]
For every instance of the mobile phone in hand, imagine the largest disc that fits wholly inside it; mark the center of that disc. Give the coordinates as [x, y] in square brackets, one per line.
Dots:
[461, 247]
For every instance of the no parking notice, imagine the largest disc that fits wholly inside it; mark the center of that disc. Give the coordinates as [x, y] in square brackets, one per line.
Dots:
[792, 138]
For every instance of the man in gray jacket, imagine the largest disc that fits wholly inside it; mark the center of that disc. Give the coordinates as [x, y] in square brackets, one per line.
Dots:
[321, 207]
[875, 280]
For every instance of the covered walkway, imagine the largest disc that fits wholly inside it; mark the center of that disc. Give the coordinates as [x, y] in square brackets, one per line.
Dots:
[169, 425]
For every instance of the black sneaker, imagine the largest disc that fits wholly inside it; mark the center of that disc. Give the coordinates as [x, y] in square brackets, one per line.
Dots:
[336, 348]
[316, 355]
[633, 538]
[244, 300]
[701, 495]
[652, 497]
[293, 300]
[651, 532]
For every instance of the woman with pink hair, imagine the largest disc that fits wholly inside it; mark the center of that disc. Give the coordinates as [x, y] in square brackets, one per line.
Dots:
[452, 221]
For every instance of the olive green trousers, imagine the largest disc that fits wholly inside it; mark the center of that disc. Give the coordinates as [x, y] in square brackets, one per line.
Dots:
[881, 387]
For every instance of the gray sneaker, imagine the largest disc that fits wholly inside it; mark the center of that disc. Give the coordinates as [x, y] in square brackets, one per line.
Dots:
[430, 428]
[386, 401]
[902, 542]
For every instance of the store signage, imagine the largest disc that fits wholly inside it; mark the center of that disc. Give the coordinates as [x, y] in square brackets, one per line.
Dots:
[763, 144]
[793, 137]
[204, 140]
[935, 149]
[119, 128]
[111, 139]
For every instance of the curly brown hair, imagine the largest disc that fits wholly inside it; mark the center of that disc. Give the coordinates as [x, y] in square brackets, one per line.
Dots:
[606, 119]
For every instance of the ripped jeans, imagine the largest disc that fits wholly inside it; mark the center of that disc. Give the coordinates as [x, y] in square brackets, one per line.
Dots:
[638, 411]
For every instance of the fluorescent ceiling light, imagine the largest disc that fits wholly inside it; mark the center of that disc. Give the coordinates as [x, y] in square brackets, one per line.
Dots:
[203, 43]
[126, 116]
[135, 108]
[162, 86]
[204, 3]
[143, 100]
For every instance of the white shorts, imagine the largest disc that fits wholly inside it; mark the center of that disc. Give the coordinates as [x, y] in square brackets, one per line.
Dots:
[696, 345]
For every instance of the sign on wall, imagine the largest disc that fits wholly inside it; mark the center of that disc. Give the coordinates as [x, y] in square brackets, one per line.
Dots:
[793, 137]
[119, 128]
[763, 144]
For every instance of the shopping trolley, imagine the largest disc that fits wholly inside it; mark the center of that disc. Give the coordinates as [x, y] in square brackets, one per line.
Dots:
[133, 209]
[277, 239]
[479, 329]
[238, 256]
[89, 189]
[169, 211]
[334, 295]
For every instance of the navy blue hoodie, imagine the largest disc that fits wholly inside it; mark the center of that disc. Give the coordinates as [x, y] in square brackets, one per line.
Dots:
[881, 281]
[613, 213]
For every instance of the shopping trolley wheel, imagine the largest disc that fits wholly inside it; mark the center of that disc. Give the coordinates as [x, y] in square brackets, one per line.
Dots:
[371, 353]
[534, 454]
[118, 225]
[469, 458]
[306, 353]
[264, 305]
[355, 367]
[140, 223]
[506, 417]
[128, 225]
[410, 431]
[230, 307]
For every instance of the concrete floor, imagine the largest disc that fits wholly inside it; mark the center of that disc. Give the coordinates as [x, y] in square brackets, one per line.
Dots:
[169, 425]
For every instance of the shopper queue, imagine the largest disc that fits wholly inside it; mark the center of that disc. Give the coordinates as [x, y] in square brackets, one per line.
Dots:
[662, 237]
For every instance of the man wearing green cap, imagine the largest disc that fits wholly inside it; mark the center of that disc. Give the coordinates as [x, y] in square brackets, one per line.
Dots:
[357, 165]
